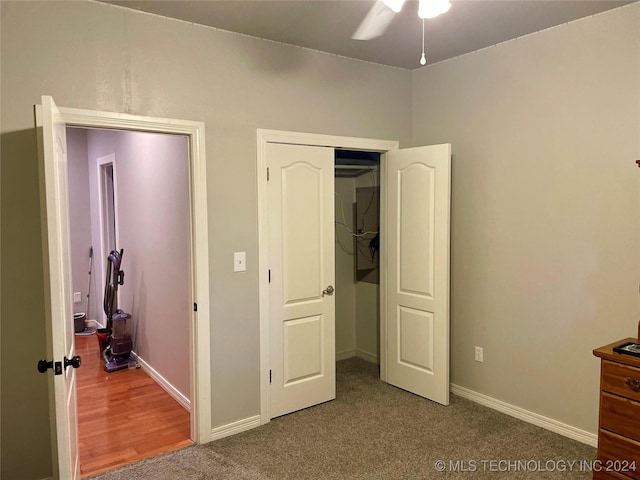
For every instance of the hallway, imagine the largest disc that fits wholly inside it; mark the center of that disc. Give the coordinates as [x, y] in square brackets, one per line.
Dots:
[124, 416]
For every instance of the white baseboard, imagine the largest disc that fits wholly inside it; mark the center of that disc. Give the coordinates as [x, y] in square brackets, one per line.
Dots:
[94, 322]
[166, 386]
[363, 354]
[367, 356]
[525, 415]
[235, 427]
[344, 354]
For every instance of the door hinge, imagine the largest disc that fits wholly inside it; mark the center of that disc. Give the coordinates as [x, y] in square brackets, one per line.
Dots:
[269, 376]
[267, 174]
[269, 275]
[195, 307]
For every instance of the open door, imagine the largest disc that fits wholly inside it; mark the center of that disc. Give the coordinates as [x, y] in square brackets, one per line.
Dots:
[60, 331]
[418, 185]
[301, 276]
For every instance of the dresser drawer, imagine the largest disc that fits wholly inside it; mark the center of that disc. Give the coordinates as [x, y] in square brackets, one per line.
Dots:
[615, 451]
[621, 379]
[620, 415]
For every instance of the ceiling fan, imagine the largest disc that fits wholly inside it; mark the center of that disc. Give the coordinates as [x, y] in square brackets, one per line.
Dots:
[379, 17]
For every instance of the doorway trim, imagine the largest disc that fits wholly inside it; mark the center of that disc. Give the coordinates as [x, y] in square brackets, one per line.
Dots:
[299, 138]
[199, 324]
[102, 164]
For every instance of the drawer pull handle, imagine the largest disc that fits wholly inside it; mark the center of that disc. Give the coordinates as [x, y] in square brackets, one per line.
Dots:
[633, 384]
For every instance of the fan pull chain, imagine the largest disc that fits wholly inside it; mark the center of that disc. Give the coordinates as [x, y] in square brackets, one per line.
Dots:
[423, 59]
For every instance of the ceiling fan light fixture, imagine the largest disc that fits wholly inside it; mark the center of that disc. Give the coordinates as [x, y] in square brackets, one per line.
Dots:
[432, 8]
[395, 5]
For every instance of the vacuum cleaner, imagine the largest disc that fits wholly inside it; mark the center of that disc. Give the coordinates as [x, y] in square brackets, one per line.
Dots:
[115, 340]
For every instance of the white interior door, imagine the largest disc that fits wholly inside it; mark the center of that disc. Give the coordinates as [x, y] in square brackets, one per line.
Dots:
[60, 331]
[418, 185]
[301, 262]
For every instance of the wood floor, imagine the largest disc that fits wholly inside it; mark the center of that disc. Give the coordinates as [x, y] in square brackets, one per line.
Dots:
[123, 416]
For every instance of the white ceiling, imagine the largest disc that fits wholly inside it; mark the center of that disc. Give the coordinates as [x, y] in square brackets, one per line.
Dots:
[328, 25]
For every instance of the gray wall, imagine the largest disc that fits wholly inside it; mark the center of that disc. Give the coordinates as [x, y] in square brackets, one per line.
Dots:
[345, 282]
[545, 261]
[80, 218]
[152, 179]
[368, 299]
[357, 303]
[95, 56]
[95, 206]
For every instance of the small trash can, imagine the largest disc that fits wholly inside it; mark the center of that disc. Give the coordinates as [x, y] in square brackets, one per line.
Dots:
[79, 322]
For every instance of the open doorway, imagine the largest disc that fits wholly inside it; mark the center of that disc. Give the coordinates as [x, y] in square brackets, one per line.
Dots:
[129, 192]
[107, 198]
[52, 122]
[357, 254]
[107, 211]
[107, 203]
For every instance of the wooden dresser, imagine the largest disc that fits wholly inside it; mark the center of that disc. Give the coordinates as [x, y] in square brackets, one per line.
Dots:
[619, 424]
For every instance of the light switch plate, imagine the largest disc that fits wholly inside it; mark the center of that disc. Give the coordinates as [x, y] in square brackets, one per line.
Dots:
[479, 353]
[239, 261]
[77, 297]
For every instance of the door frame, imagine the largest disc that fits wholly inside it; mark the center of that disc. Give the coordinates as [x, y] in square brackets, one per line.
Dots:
[101, 163]
[199, 322]
[311, 139]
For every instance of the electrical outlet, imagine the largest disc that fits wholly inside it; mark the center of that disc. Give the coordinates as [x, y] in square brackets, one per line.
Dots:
[77, 297]
[479, 354]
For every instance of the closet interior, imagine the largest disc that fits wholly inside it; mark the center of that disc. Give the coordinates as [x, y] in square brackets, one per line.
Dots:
[357, 228]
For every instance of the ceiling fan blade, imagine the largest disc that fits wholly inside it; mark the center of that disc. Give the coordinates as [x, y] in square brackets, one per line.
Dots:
[375, 23]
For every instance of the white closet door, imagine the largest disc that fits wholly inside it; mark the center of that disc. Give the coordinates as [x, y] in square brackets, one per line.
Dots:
[418, 215]
[301, 261]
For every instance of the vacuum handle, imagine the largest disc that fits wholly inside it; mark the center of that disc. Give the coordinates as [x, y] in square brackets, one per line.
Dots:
[120, 278]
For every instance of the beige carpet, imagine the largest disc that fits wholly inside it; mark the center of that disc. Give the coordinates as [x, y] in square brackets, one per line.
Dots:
[191, 463]
[375, 431]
